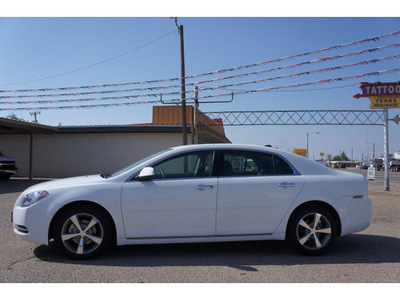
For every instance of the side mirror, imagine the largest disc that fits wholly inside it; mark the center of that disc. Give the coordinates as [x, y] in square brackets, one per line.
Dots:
[146, 174]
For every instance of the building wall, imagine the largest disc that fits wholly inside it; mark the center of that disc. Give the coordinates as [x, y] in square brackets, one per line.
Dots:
[171, 115]
[17, 147]
[210, 131]
[64, 155]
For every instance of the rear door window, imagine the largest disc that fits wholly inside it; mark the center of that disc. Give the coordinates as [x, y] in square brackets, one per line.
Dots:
[249, 163]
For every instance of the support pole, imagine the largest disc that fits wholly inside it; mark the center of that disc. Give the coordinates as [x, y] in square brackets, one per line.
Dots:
[195, 115]
[352, 159]
[386, 148]
[183, 91]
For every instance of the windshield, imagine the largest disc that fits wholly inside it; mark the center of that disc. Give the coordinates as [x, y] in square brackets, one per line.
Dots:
[137, 163]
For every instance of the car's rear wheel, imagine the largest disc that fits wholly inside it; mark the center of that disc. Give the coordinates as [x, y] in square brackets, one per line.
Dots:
[312, 230]
[82, 232]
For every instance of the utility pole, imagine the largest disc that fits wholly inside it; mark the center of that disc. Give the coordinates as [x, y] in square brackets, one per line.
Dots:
[308, 156]
[352, 159]
[35, 114]
[373, 153]
[183, 91]
[195, 115]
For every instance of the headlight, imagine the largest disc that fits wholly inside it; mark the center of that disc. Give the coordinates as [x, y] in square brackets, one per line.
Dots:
[34, 197]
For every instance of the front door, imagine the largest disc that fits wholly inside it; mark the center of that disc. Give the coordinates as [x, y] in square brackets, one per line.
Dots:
[179, 202]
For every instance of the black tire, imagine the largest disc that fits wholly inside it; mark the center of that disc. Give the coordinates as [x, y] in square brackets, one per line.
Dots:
[4, 177]
[312, 230]
[94, 236]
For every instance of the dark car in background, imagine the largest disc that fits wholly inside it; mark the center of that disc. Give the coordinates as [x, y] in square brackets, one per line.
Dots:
[8, 167]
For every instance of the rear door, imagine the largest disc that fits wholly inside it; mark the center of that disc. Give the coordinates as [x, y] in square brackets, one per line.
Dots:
[255, 191]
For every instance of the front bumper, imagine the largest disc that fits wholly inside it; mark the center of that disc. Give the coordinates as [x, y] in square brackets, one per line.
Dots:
[30, 224]
[8, 171]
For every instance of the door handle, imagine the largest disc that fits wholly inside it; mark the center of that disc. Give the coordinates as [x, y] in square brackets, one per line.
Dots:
[203, 187]
[287, 184]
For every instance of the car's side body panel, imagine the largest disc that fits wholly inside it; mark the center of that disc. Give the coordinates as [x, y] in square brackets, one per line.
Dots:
[179, 210]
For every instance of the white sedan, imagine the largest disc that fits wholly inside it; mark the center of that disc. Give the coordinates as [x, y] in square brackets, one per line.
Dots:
[197, 193]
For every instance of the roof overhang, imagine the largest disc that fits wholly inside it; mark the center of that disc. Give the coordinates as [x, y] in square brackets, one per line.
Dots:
[8, 126]
[121, 129]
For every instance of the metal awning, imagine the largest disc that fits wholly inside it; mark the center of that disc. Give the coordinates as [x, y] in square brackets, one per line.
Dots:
[13, 126]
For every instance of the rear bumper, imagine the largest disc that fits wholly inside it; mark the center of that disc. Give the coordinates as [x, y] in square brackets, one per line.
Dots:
[355, 214]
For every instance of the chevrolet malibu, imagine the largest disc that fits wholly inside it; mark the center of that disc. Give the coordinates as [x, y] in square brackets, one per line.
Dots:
[197, 193]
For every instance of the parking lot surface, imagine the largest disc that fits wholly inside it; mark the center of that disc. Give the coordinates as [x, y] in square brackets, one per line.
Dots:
[369, 256]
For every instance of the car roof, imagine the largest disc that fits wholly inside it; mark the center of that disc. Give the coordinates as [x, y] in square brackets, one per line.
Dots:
[227, 146]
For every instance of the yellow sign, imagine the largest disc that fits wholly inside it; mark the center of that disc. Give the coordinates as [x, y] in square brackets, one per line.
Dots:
[322, 154]
[300, 151]
[384, 102]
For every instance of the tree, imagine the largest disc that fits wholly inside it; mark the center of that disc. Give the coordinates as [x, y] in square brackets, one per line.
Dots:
[14, 117]
[341, 157]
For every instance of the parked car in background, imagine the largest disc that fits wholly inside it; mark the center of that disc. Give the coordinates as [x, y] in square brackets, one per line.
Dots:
[197, 193]
[378, 164]
[8, 167]
[394, 165]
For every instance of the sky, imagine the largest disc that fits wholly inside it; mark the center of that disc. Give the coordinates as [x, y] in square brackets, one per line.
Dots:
[57, 52]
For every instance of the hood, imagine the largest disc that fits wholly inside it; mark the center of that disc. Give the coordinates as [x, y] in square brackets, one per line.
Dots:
[6, 159]
[63, 183]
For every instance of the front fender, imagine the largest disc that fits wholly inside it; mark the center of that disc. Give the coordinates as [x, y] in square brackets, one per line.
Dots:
[106, 196]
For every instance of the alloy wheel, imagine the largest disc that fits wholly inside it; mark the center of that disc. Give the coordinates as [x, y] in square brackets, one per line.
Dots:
[314, 231]
[82, 233]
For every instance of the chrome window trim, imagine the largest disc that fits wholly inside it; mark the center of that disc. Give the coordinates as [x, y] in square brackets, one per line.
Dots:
[295, 171]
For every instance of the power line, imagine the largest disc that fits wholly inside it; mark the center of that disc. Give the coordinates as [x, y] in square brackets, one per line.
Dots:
[270, 89]
[373, 39]
[308, 90]
[90, 93]
[95, 64]
[324, 81]
[325, 59]
[303, 73]
[83, 106]
[175, 93]
[221, 78]
[214, 72]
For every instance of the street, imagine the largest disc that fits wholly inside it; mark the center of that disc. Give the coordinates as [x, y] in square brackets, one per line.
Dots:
[369, 256]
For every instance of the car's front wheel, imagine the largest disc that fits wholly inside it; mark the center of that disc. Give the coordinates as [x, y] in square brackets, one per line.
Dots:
[312, 230]
[4, 177]
[84, 231]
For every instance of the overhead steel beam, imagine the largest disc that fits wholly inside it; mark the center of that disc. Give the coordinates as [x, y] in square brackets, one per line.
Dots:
[299, 117]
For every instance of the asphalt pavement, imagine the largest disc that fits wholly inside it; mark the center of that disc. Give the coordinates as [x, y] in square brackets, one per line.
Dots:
[369, 256]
